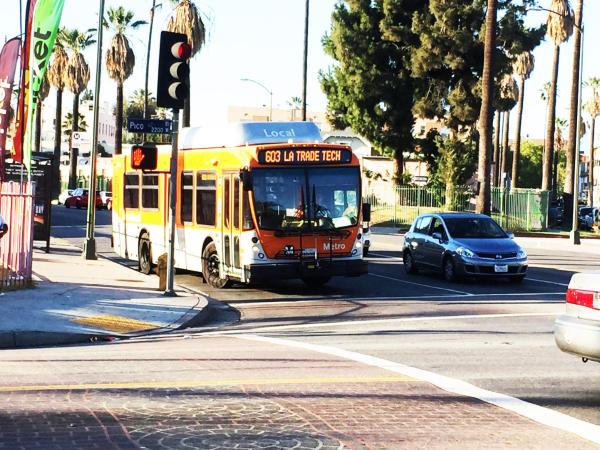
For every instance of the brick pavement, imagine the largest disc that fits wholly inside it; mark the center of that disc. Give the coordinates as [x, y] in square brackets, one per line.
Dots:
[384, 415]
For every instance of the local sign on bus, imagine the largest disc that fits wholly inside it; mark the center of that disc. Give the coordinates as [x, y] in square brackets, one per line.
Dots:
[304, 156]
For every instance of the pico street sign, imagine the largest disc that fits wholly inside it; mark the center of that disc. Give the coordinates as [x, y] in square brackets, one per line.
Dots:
[158, 126]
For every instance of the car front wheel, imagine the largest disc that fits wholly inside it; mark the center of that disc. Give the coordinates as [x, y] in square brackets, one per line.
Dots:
[409, 263]
[449, 269]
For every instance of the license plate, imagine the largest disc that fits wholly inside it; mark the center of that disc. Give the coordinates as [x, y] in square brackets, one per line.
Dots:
[500, 269]
[309, 251]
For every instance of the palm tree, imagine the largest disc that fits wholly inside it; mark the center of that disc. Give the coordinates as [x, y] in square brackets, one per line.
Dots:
[523, 66]
[76, 79]
[120, 61]
[186, 20]
[485, 113]
[43, 93]
[294, 103]
[559, 28]
[56, 77]
[571, 177]
[593, 109]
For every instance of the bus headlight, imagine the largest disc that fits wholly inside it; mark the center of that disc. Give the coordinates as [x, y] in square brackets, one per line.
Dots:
[255, 249]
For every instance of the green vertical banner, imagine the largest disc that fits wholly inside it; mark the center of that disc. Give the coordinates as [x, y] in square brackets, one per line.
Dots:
[46, 20]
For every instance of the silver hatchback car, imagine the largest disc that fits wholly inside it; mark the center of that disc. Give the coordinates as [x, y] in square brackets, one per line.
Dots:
[463, 244]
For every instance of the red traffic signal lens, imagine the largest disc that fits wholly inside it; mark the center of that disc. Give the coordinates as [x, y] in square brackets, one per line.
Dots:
[181, 50]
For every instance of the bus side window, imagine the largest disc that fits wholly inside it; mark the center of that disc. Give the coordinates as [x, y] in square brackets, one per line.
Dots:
[187, 194]
[236, 203]
[150, 191]
[206, 198]
[132, 190]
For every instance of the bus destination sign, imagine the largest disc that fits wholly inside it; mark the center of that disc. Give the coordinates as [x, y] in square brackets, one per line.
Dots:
[305, 156]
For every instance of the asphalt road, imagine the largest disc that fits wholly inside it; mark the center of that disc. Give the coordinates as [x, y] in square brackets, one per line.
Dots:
[493, 334]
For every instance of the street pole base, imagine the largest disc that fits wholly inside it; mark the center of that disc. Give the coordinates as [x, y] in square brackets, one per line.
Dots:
[89, 249]
[169, 293]
[575, 237]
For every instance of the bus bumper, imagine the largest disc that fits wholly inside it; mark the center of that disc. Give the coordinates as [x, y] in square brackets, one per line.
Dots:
[304, 269]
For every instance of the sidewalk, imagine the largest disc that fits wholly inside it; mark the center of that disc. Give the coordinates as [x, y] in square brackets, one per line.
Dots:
[75, 300]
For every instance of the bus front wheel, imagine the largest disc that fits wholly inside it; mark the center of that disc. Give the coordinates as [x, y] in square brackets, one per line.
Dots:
[145, 255]
[210, 267]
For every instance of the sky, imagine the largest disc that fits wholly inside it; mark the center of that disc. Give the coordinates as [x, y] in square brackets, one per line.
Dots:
[262, 40]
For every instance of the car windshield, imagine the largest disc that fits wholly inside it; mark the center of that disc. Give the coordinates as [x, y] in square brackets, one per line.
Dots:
[474, 228]
[308, 198]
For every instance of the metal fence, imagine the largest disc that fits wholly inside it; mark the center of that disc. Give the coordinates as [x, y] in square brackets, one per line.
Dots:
[515, 210]
[16, 247]
[102, 183]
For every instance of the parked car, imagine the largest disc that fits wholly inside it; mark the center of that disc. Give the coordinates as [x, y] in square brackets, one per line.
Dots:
[577, 331]
[463, 244]
[106, 198]
[64, 195]
[79, 199]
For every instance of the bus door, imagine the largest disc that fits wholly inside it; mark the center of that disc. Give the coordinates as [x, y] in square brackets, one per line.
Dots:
[231, 224]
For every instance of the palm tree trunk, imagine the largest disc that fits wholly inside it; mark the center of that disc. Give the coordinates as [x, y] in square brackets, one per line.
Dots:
[551, 118]
[591, 175]
[505, 149]
[496, 158]
[74, 151]
[57, 143]
[517, 151]
[485, 113]
[570, 176]
[119, 121]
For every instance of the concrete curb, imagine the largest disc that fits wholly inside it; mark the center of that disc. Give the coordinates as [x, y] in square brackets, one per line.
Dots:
[23, 339]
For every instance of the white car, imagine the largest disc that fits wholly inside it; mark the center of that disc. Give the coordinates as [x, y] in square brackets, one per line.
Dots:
[578, 330]
[64, 195]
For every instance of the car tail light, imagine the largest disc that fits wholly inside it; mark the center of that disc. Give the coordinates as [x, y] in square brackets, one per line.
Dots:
[589, 299]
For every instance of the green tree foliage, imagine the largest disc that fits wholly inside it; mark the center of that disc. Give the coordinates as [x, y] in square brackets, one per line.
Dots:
[530, 171]
[370, 89]
[397, 59]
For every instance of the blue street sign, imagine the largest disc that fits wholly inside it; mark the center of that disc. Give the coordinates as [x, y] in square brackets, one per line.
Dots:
[158, 126]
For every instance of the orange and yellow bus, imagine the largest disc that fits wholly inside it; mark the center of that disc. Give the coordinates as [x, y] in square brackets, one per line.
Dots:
[256, 202]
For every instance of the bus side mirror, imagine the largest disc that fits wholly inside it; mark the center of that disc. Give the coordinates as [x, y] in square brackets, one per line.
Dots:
[366, 212]
[246, 178]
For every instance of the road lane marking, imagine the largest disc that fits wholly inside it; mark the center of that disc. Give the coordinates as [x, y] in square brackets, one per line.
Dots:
[386, 256]
[420, 284]
[545, 281]
[544, 416]
[374, 321]
[207, 383]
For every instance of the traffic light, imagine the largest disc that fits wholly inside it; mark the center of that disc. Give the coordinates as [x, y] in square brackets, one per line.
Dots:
[173, 70]
[144, 157]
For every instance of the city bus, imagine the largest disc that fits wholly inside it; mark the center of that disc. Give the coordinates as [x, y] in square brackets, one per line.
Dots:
[256, 202]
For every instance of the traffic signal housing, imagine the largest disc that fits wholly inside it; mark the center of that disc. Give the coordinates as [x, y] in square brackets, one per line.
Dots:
[173, 70]
[144, 157]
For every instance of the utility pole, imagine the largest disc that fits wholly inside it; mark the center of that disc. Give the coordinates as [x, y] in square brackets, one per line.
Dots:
[305, 64]
[89, 248]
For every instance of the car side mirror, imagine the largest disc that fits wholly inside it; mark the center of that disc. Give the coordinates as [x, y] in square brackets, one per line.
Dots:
[437, 235]
[366, 212]
[510, 235]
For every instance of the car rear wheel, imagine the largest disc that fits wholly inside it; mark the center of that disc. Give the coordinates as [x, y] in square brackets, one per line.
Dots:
[67, 204]
[449, 269]
[211, 267]
[145, 255]
[409, 263]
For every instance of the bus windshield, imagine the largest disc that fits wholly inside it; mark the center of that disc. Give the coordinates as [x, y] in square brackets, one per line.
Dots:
[303, 199]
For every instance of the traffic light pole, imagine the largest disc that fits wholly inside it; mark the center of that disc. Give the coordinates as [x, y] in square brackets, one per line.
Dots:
[170, 292]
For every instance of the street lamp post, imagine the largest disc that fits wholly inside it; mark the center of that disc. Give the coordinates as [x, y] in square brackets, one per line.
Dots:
[89, 250]
[574, 234]
[305, 61]
[270, 95]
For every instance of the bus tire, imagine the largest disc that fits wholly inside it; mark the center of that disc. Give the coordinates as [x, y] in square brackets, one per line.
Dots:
[315, 282]
[210, 267]
[145, 255]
